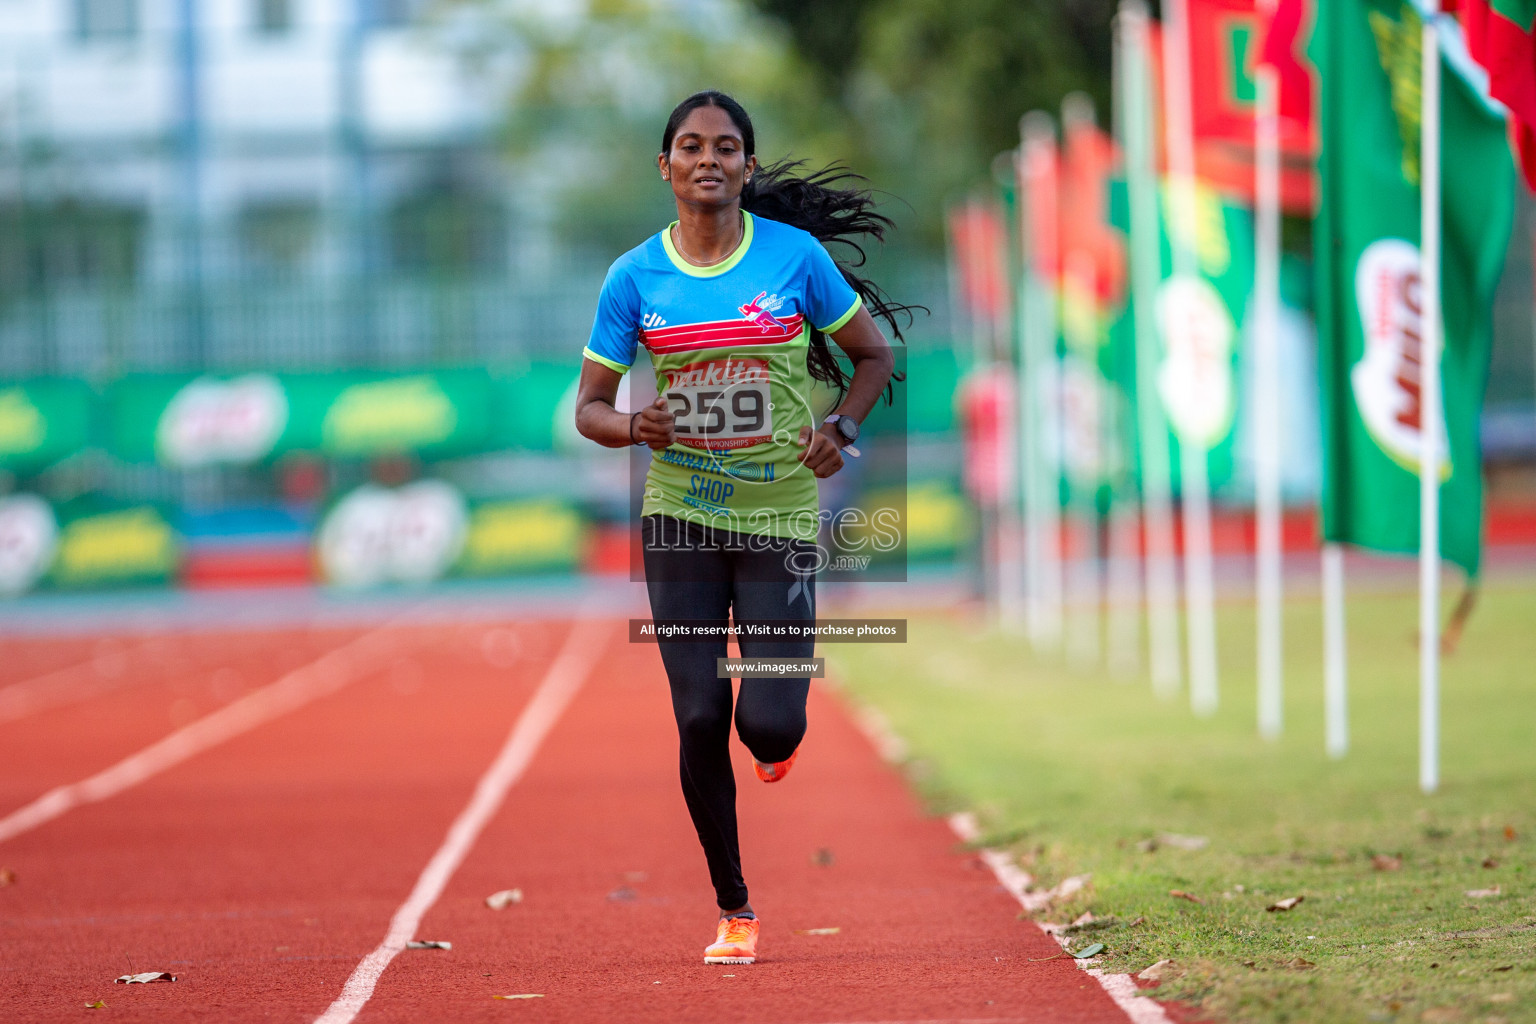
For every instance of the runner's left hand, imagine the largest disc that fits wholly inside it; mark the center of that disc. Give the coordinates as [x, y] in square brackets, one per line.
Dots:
[821, 454]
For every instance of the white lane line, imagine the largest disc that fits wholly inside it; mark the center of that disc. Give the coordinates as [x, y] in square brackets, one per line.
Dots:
[323, 676]
[97, 675]
[571, 666]
[1119, 987]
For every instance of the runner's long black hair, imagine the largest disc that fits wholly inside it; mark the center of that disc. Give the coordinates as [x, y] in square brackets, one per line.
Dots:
[832, 204]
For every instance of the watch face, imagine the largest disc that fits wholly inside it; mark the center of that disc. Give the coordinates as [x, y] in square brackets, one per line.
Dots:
[848, 427]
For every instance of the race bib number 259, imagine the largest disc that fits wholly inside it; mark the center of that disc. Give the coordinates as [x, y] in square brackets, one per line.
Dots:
[722, 403]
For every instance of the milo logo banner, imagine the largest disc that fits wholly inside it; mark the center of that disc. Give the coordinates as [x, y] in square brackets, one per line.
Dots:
[187, 421]
[427, 530]
[1369, 277]
[1199, 321]
[82, 545]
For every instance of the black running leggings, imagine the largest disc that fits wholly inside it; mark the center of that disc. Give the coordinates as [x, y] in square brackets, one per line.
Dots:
[700, 574]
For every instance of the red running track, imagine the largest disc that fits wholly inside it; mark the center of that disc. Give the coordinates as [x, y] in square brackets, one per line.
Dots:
[262, 871]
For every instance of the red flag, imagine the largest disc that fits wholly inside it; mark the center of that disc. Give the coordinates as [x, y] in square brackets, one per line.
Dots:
[1283, 41]
[1227, 41]
[1088, 162]
[980, 243]
[986, 400]
[1508, 53]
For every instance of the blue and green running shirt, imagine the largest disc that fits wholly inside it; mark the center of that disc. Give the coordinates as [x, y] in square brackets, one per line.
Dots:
[728, 344]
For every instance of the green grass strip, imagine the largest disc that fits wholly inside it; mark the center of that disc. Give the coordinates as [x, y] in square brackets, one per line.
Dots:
[1081, 772]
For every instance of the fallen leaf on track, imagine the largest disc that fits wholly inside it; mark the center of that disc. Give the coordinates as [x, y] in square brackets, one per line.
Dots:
[1384, 862]
[1156, 971]
[528, 995]
[1088, 951]
[823, 858]
[146, 978]
[1180, 894]
[817, 931]
[504, 899]
[7, 877]
[100, 1004]
[1285, 904]
[1482, 894]
[428, 944]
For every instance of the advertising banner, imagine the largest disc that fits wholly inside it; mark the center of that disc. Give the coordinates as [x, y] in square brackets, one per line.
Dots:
[1368, 274]
[43, 421]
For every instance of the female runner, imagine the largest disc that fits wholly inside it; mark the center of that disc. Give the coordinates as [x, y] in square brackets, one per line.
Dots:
[734, 302]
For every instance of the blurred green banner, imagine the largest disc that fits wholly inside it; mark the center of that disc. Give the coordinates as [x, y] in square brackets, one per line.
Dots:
[185, 421]
[43, 421]
[1198, 388]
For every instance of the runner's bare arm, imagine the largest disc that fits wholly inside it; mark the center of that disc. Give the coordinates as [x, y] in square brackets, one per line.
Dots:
[597, 419]
[861, 340]
[864, 344]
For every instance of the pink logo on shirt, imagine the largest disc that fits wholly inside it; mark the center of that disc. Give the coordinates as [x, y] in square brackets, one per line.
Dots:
[761, 313]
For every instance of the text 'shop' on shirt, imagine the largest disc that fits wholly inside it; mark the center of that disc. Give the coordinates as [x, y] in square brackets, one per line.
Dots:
[728, 344]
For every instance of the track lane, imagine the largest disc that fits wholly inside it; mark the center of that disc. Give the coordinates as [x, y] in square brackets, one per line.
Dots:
[578, 654]
[264, 869]
[26, 657]
[618, 907]
[59, 738]
[137, 725]
[126, 666]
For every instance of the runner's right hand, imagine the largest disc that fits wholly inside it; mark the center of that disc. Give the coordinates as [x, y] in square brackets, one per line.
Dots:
[656, 425]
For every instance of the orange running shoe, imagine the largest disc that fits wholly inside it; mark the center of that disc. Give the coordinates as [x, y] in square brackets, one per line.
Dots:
[774, 772]
[735, 942]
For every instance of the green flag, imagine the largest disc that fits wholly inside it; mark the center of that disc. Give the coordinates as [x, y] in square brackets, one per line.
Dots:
[1367, 238]
[1197, 387]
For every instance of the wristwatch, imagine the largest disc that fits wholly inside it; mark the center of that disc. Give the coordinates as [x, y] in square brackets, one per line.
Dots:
[847, 429]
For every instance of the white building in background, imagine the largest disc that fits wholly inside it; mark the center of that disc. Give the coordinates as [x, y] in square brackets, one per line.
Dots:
[173, 150]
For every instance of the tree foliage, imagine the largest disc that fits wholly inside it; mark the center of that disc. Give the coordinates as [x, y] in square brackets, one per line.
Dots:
[937, 87]
[918, 95]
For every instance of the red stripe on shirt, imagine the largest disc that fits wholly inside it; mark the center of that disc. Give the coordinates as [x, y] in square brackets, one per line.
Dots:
[719, 334]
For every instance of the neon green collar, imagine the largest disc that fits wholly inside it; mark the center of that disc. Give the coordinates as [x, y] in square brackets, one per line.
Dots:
[719, 268]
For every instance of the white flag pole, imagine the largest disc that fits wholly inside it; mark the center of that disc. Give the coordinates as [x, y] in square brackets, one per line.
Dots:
[1082, 436]
[1335, 657]
[1123, 647]
[1151, 424]
[1266, 404]
[1041, 439]
[1027, 401]
[1194, 485]
[1431, 425]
